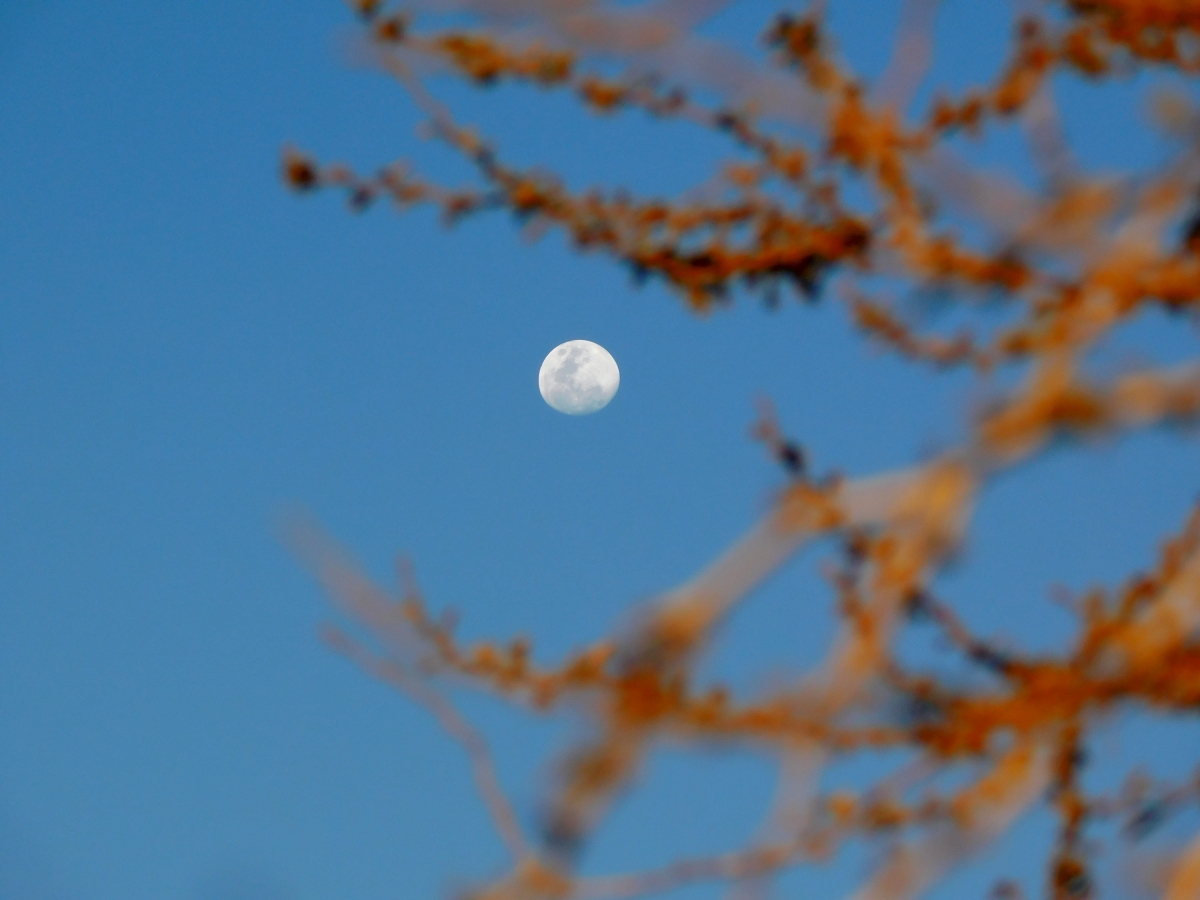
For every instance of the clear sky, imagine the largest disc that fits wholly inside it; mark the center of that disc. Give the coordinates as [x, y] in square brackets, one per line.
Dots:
[187, 349]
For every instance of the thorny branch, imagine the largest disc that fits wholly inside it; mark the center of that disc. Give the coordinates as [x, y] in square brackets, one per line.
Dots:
[1068, 263]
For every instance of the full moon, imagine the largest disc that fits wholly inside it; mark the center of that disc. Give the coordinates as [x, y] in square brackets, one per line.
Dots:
[578, 378]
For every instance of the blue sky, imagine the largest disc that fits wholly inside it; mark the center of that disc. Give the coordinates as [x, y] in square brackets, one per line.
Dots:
[187, 349]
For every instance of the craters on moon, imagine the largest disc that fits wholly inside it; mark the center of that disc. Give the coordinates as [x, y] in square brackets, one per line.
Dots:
[578, 378]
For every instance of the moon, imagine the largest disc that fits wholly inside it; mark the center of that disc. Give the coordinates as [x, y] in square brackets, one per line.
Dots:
[579, 378]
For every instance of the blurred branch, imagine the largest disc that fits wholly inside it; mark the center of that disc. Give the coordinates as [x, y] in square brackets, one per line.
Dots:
[1038, 275]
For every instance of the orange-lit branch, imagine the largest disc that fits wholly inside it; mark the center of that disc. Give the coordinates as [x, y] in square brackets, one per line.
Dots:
[1068, 261]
